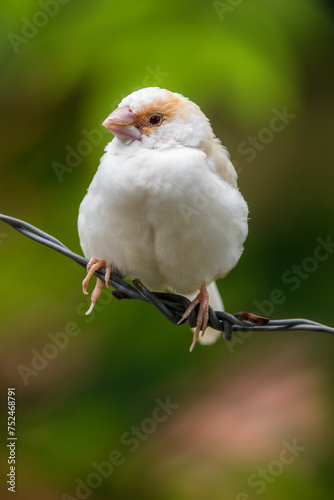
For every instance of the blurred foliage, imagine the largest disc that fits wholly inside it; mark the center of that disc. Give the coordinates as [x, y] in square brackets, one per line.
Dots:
[65, 66]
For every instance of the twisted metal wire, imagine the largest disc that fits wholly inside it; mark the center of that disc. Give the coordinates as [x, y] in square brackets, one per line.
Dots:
[172, 306]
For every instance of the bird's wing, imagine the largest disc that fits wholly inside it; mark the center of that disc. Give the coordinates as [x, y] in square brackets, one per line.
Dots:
[219, 160]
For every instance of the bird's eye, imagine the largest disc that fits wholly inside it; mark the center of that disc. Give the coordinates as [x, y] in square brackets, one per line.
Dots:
[155, 120]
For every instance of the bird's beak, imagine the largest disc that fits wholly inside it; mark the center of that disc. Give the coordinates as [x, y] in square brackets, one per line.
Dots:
[122, 123]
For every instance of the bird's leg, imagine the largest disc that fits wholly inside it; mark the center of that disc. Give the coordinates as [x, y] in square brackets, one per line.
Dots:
[202, 299]
[92, 266]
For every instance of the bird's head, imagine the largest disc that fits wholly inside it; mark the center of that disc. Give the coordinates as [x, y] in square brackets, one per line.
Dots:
[159, 119]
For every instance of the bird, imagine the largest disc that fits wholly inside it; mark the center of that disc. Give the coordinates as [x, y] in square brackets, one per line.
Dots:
[164, 206]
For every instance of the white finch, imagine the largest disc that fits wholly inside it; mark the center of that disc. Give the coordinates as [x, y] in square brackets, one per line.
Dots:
[164, 206]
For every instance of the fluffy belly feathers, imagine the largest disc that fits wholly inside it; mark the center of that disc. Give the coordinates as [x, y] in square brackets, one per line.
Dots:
[173, 225]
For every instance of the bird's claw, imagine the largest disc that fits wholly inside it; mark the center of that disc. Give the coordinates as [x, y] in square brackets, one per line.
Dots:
[202, 299]
[93, 266]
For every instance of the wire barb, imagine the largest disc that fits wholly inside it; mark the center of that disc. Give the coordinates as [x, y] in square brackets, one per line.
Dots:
[172, 306]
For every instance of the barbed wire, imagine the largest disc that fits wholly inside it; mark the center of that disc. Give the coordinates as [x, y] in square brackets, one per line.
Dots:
[172, 306]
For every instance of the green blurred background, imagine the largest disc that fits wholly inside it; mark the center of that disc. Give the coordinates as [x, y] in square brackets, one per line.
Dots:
[64, 66]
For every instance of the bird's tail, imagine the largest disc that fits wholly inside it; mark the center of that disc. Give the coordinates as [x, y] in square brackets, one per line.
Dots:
[210, 336]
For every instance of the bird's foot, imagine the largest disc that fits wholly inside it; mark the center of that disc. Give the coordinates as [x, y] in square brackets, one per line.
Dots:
[92, 266]
[203, 314]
